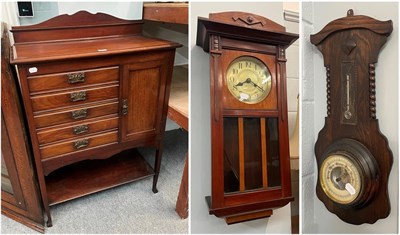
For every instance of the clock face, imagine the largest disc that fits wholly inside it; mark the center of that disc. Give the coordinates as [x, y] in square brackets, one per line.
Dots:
[340, 179]
[248, 79]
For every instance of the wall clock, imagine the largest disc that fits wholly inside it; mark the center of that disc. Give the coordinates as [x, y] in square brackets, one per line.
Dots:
[250, 150]
[353, 156]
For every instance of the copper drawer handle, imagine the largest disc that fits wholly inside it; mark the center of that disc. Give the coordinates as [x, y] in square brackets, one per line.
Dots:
[80, 129]
[81, 143]
[78, 96]
[77, 114]
[76, 77]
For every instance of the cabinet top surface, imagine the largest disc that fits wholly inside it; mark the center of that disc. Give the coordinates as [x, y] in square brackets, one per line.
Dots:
[81, 35]
[83, 48]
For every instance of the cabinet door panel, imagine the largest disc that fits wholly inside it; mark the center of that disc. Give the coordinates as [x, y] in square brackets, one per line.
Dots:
[144, 86]
[142, 99]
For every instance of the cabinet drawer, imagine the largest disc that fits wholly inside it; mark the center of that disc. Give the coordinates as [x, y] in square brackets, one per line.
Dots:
[77, 131]
[59, 100]
[72, 79]
[75, 115]
[79, 144]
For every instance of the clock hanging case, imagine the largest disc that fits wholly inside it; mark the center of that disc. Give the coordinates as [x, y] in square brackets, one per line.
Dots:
[353, 157]
[249, 123]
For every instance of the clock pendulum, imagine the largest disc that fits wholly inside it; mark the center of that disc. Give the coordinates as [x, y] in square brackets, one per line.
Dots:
[353, 156]
[249, 124]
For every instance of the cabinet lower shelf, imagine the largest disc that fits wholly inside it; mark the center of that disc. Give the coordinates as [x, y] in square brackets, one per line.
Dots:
[91, 176]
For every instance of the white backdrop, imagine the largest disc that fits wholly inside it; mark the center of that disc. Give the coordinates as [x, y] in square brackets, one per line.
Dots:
[124, 10]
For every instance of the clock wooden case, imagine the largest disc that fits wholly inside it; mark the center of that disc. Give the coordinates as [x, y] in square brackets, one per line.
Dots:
[93, 88]
[353, 156]
[249, 124]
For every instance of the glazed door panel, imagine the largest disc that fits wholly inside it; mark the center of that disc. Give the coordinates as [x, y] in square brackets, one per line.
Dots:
[251, 154]
[20, 196]
[10, 185]
[142, 99]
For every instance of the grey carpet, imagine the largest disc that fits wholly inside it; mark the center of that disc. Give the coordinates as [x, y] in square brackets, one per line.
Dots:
[131, 208]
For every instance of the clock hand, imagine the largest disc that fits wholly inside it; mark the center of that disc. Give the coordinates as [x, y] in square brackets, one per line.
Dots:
[258, 87]
[248, 80]
[239, 84]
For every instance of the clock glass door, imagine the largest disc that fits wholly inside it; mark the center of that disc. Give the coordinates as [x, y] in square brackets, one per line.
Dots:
[251, 153]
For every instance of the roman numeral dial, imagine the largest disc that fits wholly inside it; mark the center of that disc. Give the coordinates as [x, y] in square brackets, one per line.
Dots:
[248, 79]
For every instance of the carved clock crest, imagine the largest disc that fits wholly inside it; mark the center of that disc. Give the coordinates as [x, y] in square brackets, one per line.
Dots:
[353, 156]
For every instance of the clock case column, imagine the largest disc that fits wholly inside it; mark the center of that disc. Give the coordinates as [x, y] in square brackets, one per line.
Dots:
[227, 36]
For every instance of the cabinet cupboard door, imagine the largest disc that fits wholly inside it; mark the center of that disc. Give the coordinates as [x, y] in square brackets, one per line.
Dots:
[20, 197]
[144, 86]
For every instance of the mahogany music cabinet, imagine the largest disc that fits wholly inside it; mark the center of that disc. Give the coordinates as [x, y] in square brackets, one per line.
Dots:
[93, 88]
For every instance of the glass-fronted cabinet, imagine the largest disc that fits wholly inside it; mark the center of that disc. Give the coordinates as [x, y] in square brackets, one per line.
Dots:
[20, 195]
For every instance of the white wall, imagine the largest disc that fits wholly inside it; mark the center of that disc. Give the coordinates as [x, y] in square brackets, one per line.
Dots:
[200, 133]
[46, 10]
[124, 10]
[316, 217]
[292, 67]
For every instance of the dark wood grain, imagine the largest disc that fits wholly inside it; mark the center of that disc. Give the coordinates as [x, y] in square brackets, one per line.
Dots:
[369, 35]
[114, 66]
[239, 182]
[384, 28]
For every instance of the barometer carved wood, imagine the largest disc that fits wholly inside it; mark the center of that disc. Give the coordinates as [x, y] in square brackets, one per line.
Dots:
[353, 156]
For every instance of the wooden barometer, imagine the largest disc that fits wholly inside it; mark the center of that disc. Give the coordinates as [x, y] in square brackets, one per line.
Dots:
[353, 156]
[250, 147]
